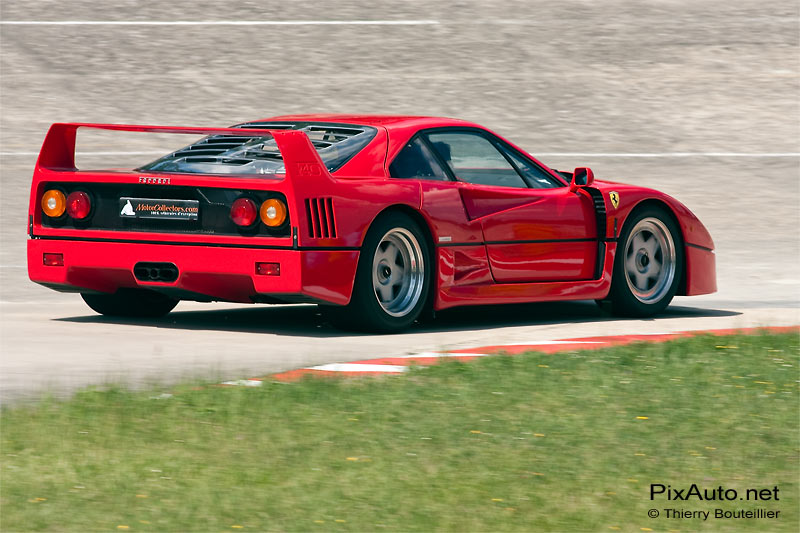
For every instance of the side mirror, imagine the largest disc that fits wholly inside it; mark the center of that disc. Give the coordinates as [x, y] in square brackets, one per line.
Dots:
[583, 177]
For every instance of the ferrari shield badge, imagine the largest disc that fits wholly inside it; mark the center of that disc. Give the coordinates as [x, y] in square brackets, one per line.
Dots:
[614, 197]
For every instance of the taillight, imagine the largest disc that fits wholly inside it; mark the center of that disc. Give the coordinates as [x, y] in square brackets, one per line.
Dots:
[244, 212]
[273, 212]
[78, 205]
[54, 203]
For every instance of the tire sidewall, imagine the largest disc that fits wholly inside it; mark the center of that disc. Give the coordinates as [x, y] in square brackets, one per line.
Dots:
[364, 307]
[623, 301]
[132, 303]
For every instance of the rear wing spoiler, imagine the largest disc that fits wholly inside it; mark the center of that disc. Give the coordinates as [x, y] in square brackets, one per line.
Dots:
[300, 158]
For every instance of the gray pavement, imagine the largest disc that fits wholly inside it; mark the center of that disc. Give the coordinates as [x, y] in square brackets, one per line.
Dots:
[562, 77]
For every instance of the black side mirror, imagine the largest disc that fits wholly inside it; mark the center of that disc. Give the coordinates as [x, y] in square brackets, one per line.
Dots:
[583, 177]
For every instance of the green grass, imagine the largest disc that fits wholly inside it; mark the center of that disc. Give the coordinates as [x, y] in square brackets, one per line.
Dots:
[533, 442]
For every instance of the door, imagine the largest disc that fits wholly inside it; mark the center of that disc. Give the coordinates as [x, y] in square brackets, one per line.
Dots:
[533, 227]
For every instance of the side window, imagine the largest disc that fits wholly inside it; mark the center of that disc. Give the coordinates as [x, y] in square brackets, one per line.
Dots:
[415, 160]
[474, 159]
[538, 178]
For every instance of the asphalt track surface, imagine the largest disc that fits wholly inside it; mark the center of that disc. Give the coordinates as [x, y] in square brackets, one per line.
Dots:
[698, 99]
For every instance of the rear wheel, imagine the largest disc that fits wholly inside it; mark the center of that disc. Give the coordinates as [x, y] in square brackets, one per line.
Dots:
[648, 265]
[392, 280]
[139, 303]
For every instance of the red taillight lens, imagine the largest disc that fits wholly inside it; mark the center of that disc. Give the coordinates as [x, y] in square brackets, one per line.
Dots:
[78, 205]
[53, 260]
[268, 269]
[244, 212]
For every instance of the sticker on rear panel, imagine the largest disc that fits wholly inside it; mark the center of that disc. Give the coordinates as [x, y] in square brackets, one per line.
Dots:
[163, 209]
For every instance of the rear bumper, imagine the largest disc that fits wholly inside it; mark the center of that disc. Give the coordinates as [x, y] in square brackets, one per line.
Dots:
[204, 272]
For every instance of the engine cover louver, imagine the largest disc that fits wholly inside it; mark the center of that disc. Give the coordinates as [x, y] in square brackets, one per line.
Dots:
[321, 219]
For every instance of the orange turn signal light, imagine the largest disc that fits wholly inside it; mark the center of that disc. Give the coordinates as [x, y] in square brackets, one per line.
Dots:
[273, 212]
[54, 203]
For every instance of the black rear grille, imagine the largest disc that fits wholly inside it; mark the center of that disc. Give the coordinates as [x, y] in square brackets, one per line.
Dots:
[213, 217]
[321, 220]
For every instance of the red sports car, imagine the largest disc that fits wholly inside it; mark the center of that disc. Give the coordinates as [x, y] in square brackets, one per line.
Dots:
[375, 218]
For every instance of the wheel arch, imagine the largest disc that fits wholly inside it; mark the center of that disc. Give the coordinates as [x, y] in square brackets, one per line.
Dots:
[664, 206]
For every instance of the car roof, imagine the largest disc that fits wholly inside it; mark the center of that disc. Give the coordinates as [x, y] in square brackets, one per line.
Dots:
[387, 121]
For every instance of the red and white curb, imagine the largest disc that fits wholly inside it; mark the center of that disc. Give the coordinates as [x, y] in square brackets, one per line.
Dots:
[400, 363]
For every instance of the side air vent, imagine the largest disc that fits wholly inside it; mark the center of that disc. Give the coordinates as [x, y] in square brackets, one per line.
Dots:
[602, 222]
[321, 220]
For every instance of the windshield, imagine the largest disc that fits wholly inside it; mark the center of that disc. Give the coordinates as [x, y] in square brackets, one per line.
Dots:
[235, 154]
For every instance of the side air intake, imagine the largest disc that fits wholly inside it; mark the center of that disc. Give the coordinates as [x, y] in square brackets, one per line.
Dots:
[321, 220]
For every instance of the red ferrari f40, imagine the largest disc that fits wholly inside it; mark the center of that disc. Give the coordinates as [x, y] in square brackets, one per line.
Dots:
[375, 218]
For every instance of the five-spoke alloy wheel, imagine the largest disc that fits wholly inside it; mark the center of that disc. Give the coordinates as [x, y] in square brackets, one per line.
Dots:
[649, 260]
[398, 272]
[393, 278]
[648, 264]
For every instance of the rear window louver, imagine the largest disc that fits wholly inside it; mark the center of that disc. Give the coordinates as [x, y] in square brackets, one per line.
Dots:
[321, 219]
[335, 143]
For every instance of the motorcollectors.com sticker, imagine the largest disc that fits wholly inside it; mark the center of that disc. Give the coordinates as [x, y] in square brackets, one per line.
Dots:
[149, 208]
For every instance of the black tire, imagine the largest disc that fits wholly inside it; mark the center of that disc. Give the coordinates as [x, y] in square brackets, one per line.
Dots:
[384, 299]
[637, 288]
[131, 303]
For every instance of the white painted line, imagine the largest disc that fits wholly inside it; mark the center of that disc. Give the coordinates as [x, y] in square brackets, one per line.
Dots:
[644, 334]
[219, 22]
[244, 382]
[424, 355]
[669, 154]
[358, 367]
[549, 343]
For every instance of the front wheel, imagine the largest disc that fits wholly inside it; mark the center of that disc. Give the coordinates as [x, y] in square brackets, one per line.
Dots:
[132, 303]
[392, 280]
[648, 264]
